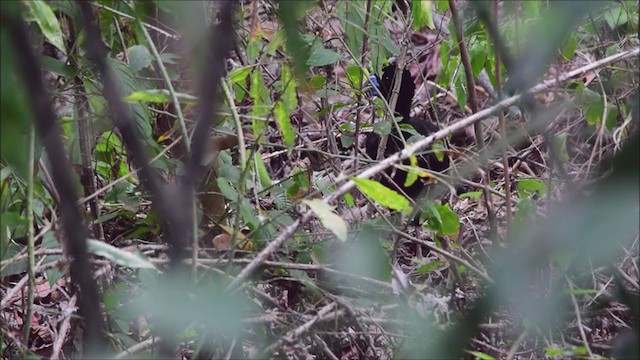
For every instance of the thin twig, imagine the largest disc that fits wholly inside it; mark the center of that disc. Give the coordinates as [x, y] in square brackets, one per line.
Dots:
[31, 273]
[503, 129]
[293, 335]
[64, 327]
[137, 347]
[576, 308]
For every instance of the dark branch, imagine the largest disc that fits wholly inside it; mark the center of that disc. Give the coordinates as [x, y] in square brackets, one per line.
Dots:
[50, 134]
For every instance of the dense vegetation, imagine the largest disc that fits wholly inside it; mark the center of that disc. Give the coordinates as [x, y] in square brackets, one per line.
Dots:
[190, 180]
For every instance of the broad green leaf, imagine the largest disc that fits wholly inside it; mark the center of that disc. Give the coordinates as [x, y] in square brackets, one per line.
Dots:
[128, 84]
[422, 14]
[478, 56]
[383, 195]
[58, 67]
[240, 74]
[316, 82]
[443, 220]
[322, 57]
[594, 111]
[382, 127]
[159, 96]
[328, 218]
[226, 189]
[346, 141]
[139, 57]
[612, 117]
[41, 13]
[530, 187]
[118, 256]
[615, 16]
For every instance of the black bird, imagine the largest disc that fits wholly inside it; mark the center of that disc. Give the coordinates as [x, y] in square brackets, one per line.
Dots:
[394, 143]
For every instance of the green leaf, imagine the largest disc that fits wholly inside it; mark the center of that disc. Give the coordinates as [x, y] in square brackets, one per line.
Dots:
[128, 84]
[530, 187]
[353, 73]
[159, 96]
[322, 57]
[383, 195]
[471, 194]
[346, 141]
[260, 96]
[316, 82]
[287, 104]
[240, 74]
[413, 173]
[553, 352]
[594, 112]
[348, 199]
[442, 220]
[478, 56]
[460, 90]
[431, 266]
[328, 218]
[570, 46]
[612, 117]
[15, 114]
[481, 355]
[382, 128]
[263, 173]
[560, 144]
[139, 57]
[422, 14]
[226, 189]
[615, 16]
[58, 67]
[289, 14]
[42, 14]
[351, 15]
[118, 256]
[281, 114]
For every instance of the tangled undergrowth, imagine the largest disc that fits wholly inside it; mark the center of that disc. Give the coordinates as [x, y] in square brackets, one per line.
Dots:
[526, 248]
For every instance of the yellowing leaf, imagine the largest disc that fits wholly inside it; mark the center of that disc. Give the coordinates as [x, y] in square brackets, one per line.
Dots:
[412, 174]
[328, 218]
[383, 195]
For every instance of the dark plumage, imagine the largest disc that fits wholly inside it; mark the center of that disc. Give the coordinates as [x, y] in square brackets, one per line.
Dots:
[394, 142]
